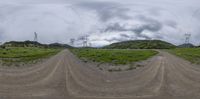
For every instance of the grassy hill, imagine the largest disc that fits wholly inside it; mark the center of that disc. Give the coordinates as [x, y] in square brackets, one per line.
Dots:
[58, 45]
[34, 44]
[22, 44]
[141, 44]
[187, 46]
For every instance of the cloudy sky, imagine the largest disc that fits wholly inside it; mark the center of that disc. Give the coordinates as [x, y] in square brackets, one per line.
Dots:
[103, 21]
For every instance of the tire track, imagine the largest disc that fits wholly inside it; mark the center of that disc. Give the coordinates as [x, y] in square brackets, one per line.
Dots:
[66, 77]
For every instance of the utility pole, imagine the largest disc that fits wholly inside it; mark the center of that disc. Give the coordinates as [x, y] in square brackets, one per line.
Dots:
[35, 37]
[149, 43]
[187, 39]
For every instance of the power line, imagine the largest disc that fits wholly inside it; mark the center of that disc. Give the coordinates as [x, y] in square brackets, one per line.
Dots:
[35, 37]
[90, 44]
[85, 42]
[72, 41]
[187, 39]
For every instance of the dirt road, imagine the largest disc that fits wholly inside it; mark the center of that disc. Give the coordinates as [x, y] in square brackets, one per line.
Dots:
[65, 77]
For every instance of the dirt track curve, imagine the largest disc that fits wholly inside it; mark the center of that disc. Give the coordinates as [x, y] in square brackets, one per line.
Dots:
[65, 77]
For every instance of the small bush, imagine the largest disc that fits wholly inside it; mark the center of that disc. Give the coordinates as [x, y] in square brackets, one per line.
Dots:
[3, 47]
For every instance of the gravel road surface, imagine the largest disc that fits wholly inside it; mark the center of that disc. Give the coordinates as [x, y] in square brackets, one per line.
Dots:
[66, 77]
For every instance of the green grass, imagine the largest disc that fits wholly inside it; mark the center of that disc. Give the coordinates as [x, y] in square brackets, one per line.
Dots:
[113, 56]
[190, 54]
[141, 44]
[25, 54]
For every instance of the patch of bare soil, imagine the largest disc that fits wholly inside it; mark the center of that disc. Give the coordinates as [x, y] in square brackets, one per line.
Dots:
[12, 63]
[109, 67]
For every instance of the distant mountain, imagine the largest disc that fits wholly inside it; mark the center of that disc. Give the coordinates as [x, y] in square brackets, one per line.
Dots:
[141, 44]
[34, 44]
[58, 45]
[23, 44]
[189, 45]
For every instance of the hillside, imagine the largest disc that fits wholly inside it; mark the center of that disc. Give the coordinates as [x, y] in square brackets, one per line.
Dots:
[186, 46]
[58, 45]
[141, 44]
[23, 44]
[34, 44]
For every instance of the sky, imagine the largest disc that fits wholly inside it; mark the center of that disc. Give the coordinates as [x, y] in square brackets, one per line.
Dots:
[102, 21]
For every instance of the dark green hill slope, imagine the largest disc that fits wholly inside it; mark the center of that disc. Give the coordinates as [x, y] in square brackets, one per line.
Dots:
[34, 44]
[141, 44]
[186, 46]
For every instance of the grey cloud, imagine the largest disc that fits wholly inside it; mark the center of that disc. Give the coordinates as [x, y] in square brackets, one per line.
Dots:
[1, 34]
[10, 9]
[115, 27]
[155, 11]
[125, 35]
[158, 37]
[116, 39]
[82, 38]
[55, 21]
[107, 10]
[150, 25]
[196, 14]
[132, 37]
[172, 24]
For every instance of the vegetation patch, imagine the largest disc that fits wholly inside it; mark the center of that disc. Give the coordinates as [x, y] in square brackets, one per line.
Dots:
[34, 44]
[114, 56]
[141, 44]
[190, 54]
[14, 55]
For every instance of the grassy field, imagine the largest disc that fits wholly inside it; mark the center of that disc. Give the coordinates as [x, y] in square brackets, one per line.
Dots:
[190, 54]
[113, 56]
[25, 54]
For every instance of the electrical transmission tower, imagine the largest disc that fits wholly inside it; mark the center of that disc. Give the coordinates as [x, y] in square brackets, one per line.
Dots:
[35, 37]
[72, 40]
[90, 44]
[85, 41]
[187, 39]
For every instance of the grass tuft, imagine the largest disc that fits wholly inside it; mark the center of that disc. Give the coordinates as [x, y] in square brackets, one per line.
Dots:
[190, 54]
[13, 55]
